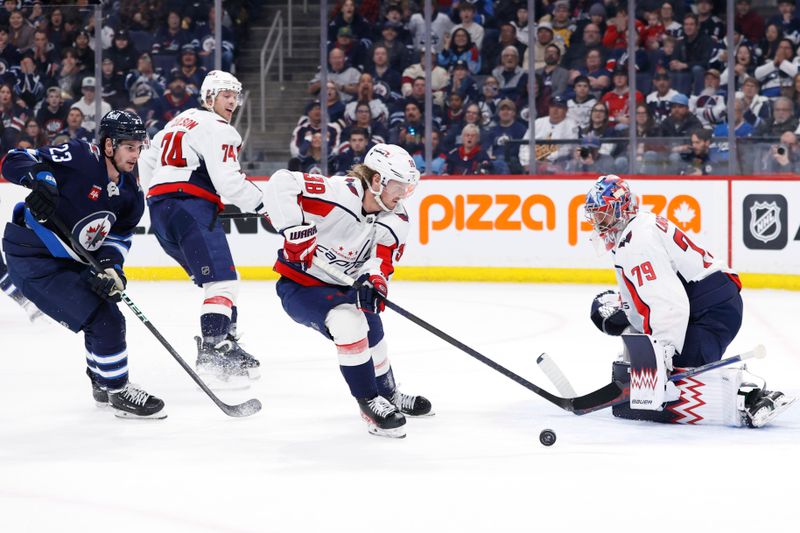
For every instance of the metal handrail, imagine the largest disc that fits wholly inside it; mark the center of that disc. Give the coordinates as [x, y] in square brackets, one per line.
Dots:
[277, 47]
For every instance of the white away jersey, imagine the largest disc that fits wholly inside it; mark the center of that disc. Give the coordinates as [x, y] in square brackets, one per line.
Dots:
[197, 154]
[651, 257]
[347, 239]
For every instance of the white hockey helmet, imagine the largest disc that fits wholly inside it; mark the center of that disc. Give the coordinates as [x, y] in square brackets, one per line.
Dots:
[215, 82]
[393, 163]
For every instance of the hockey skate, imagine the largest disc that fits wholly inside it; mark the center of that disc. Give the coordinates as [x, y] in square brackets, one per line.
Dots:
[761, 405]
[382, 417]
[416, 406]
[227, 363]
[133, 402]
[99, 394]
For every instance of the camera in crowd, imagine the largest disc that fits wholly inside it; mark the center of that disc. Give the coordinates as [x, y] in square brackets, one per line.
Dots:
[782, 150]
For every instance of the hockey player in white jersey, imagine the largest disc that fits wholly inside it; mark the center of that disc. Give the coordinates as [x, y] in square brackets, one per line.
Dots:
[688, 305]
[357, 225]
[193, 162]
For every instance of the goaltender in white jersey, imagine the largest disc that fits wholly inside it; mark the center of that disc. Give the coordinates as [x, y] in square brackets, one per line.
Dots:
[193, 162]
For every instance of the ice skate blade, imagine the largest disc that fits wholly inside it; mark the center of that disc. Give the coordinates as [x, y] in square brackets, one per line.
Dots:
[101, 405]
[426, 415]
[394, 433]
[160, 415]
[768, 416]
[223, 381]
[254, 373]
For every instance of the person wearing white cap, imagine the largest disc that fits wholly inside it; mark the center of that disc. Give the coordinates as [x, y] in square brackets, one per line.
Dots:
[87, 104]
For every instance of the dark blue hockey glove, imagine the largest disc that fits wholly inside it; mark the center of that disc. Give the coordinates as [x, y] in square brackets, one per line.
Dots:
[108, 284]
[607, 313]
[43, 199]
[370, 291]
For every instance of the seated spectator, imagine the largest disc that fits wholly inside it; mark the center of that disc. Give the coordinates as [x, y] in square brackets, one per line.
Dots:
[55, 29]
[353, 152]
[466, 13]
[387, 80]
[356, 51]
[783, 119]
[653, 33]
[30, 83]
[75, 129]
[701, 159]
[123, 53]
[779, 71]
[9, 55]
[596, 15]
[144, 85]
[709, 24]
[366, 95]
[783, 158]
[587, 158]
[646, 151]
[599, 127]
[710, 105]
[595, 71]
[309, 124]
[511, 77]
[454, 112]
[463, 84]
[82, 48]
[786, 20]
[438, 156]
[457, 48]
[521, 25]
[768, 45]
[793, 92]
[492, 49]
[504, 155]
[579, 106]
[545, 37]
[35, 134]
[554, 126]
[376, 131]
[113, 84]
[399, 55]
[206, 36]
[87, 104]
[660, 100]
[693, 54]
[680, 121]
[741, 129]
[563, 25]
[468, 158]
[345, 78]
[335, 106]
[663, 57]
[553, 75]
[440, 25]
[44, 54]
[71, 75]
[13, 117]
[418, 96]
[189, 67]
[489, 97]
[170, 37]
[616, 100]
[751, 22]
[309, 158]
[394, 14]
[575, 57]
[411, 131]
[472, 115]
[20, 32]
[52, 116]
[174, 101]
[759, 108]
[347, 17]
[744, 67]
[616, 35]
[439, 78]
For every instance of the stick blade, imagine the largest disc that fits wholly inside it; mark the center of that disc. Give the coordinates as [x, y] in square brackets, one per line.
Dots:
[599, 399]
[248, 408]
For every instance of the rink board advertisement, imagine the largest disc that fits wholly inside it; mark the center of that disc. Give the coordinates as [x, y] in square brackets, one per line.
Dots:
[527, 228]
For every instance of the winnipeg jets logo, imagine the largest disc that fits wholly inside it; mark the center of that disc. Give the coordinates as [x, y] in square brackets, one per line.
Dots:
[93, 229]
[112, 189]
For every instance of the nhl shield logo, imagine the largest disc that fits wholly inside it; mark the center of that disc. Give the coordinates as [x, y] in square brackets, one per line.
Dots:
[765, 221]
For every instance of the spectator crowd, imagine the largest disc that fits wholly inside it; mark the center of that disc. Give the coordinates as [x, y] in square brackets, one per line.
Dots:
[479, 82]
[155, 54]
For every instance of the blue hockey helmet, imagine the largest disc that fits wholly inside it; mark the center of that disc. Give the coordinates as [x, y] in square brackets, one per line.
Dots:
[119, 125]
[609, 206]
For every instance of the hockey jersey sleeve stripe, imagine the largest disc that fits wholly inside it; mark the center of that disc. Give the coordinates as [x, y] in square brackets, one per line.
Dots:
[390, 230]
[185, 188]
[317, 207]
[53, 243]
[642, 308]
[384, 253]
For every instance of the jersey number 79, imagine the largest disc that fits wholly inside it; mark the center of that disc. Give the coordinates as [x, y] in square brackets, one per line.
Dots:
[172, 149]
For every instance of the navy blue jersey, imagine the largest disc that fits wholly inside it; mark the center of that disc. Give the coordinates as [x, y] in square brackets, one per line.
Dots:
[101, 214]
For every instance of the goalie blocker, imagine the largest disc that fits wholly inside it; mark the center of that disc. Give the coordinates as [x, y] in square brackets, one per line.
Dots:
[729, 396]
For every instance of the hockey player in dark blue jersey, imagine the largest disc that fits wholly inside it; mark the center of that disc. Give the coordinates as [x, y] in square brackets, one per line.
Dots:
[91, 190]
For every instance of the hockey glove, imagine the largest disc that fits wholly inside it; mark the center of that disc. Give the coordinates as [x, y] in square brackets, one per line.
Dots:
[371, 289]
[607, 313]
[300, 244]
[44, 197]
[108, 284]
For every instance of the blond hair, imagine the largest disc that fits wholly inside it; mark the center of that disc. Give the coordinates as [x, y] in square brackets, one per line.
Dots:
[363, 173]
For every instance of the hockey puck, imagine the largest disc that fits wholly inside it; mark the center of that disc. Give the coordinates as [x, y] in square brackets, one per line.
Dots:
[547, 437]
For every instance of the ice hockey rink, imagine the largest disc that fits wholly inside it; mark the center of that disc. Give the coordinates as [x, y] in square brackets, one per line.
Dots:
[306, 463]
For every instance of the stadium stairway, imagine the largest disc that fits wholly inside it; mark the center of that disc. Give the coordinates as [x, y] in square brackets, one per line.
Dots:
[268, 150]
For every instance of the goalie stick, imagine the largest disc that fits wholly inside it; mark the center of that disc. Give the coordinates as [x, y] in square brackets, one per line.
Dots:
[550, 369]
[250, 407]
[588, 402]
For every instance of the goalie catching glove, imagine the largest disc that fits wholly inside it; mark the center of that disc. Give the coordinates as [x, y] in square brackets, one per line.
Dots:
[371, 289]
[108, 284]
[300, 244]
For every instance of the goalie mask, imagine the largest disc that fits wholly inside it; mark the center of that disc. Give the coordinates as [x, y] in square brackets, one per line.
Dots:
[609, 207]
[399, 175]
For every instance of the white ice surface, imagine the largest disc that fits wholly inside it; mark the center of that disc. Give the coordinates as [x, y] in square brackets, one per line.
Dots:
[307, 464]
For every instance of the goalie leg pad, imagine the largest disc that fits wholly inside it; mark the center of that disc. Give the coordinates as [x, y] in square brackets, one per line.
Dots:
[650, 388]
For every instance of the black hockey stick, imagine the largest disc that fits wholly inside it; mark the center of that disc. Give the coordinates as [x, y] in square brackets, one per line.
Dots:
[578, 405]
[243, 216]
[250, 407]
